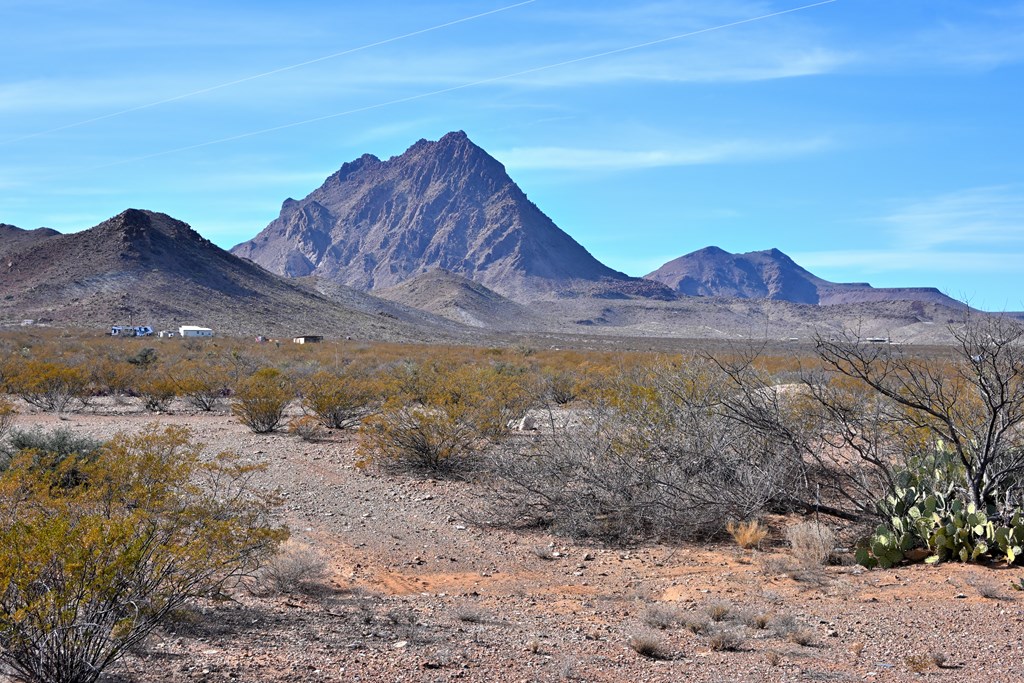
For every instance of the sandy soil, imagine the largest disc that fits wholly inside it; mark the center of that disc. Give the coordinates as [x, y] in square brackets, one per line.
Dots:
[418, 592]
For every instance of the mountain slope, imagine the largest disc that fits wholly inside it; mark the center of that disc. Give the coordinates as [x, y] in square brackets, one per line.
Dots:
[441, 205]
[14, 239]
[156, 270]
[770, 274]
[460, 299]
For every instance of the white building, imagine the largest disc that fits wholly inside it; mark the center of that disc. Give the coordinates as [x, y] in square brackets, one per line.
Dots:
[194, 331]
[131, 331]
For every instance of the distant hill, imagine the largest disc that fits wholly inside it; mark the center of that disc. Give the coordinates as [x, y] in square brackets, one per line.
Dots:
[441, 205]
[157, 270]
[772, 275]
[14, 239]
[460, 299]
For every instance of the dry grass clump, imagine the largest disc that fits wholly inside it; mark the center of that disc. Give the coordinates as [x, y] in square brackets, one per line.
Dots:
[719, 611]
[648, 644]
[471, 614]
[755, 620]
[307, 428]
[727, 640]
[802, 636]
[297, 568]
[747, 534]
[544, 552]
[813, 543]
[921, 662]
[697, 625]
[662, 617]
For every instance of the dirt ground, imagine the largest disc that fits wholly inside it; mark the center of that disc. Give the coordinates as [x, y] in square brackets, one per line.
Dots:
[419, 592]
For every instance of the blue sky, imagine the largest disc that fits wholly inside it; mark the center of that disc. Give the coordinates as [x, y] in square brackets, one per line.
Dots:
[871, 140]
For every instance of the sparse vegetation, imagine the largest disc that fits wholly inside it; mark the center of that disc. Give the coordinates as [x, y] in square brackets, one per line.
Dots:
[261, 399]
[648, 644]
[89, 566]
[662, 617]
[812, 543]
[727, 640]
[294, 568]
[747, 534]
[51, 386]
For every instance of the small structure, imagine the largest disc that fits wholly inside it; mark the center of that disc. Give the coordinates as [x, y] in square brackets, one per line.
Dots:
[194, 331]
[131, 331]
[164, 334]
[308, 339]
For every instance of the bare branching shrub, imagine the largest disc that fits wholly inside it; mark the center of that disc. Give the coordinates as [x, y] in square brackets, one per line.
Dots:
[813, 543]
[650, 455]
[261, 399]
[295, 568]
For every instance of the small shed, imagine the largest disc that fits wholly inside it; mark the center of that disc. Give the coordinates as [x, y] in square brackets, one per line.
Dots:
[194, 331]
[308, 339]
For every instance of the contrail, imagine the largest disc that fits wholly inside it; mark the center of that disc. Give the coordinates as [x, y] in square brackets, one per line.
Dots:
[463, 86]
[228, 84]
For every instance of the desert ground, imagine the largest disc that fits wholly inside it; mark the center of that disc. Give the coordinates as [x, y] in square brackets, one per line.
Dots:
[420, 588]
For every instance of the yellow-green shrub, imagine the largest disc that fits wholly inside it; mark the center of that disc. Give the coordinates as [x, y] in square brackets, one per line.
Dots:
[51, 386]
[87, 571]
[261, 399]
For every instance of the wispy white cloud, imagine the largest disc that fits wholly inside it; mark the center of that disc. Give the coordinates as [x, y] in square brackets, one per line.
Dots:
[883, 260]
[584, 159]
[982, 216]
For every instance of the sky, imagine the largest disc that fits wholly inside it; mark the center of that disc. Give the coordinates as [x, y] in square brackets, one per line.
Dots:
[870, 140]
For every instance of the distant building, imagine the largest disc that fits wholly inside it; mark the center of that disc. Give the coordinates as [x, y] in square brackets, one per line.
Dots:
[194, 331]
[308, 339]
[131, 331]
[163, 334]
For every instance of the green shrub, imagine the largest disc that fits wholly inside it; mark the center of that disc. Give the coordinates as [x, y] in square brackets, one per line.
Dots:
[87, 571]
[261, 399]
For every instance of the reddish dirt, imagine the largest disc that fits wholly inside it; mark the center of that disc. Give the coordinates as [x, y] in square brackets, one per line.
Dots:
[419, 593]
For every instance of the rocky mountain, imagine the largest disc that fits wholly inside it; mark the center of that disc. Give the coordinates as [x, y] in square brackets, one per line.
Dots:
[440, 205]
[157, 270]
[14, 239]
[772, 275]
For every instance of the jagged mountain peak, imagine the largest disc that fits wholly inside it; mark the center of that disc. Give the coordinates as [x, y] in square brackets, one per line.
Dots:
[444, 204]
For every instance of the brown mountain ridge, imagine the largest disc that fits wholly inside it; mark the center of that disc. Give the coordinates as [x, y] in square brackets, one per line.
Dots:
[771, 274]
[154, 269]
